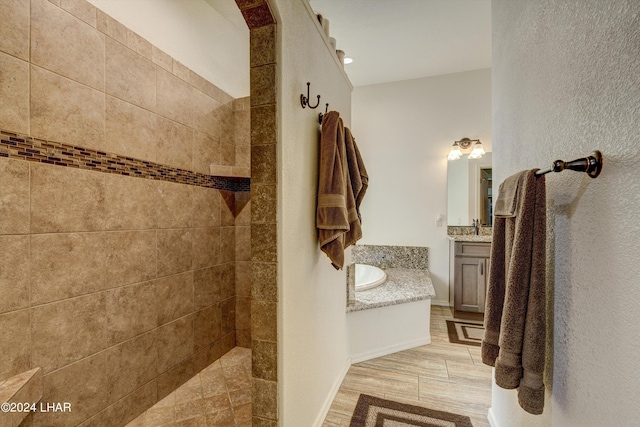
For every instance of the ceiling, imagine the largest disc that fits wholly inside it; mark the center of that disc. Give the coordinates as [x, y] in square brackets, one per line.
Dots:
[392, 40]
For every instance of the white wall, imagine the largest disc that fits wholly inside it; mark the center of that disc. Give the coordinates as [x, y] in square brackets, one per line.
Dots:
[209, 42]
[567, 81]
[313, 349]
[404, 131]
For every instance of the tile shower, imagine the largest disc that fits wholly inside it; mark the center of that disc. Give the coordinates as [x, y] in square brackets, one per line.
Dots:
[124, 266]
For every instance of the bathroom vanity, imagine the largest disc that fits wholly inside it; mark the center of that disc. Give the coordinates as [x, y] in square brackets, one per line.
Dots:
[469, 272]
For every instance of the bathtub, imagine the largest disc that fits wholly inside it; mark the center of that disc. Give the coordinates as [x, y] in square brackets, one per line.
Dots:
[368, 277]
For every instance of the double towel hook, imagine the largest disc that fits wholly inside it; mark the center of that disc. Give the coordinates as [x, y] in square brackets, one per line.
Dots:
[304, 100]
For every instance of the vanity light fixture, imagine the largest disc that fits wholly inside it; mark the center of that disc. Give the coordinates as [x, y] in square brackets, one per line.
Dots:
[463, 144]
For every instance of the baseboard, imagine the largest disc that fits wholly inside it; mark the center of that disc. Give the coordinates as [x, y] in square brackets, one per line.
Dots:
[361, 357]
[324, 410]
[491, 418]
[440, 303]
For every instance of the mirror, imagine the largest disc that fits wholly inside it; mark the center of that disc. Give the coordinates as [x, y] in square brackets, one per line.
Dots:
[469, 191]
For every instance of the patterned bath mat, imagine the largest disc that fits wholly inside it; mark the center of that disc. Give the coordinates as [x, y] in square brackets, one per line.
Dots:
[465, 332]
[375, 412]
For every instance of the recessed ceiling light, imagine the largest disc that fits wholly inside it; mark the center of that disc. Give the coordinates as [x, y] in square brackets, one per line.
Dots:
[348, 60]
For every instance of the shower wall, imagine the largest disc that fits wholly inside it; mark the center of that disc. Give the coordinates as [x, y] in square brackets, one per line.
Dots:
[123, 264]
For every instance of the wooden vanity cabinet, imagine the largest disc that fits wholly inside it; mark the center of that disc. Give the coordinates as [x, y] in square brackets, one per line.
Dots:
[471, 265]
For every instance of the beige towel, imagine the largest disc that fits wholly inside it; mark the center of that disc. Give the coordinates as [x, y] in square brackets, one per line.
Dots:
[356, 188]
[508, 195]
[515, 312]
[332, 218]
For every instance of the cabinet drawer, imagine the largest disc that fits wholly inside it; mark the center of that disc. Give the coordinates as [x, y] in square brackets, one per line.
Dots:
[474, 249]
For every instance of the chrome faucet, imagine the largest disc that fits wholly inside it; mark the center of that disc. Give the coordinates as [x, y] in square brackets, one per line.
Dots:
[476, 226]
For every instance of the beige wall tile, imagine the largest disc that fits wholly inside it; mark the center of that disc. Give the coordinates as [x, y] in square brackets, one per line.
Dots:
[175, 142]
[243, 313]
[243, 243]
[205, 86]
[65, 45]
[227, 280]
[14, 93]
[126, 409]
[130, 257]
[14, 31]
[243, 208]
[206, 113]
[130, 130]
[227, 244]
[82, 384]
[65, 111]
[81, 9]
[243, 279]
[130, 76]
[14, 273]
[174, 342]
[206, 151]
[181, 71]
[227, 153]
[243, 156]
[174, 205]
[217, 170]
[162, 59]
[14, 196]
[175, 377]
[206, 286]
[130, 311]
[139, 45]
[66, 199]
[174, 251]
[229, 317]
[15, 343]
[174, 296]
[111, 27]
[206, 207]
[227, 208]
[65, 265]
[130, 203]
[204, 331]
[206, 247]
[174, 98]
[66, 331]
[131, 365]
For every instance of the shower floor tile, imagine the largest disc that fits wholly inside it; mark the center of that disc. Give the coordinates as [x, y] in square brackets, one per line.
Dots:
[218, 396]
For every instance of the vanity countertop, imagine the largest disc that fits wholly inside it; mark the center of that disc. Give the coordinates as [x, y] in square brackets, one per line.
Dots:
[470, 238]
[402, 285]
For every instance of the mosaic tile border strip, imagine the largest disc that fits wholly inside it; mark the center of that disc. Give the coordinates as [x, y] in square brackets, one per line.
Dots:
[23, 147]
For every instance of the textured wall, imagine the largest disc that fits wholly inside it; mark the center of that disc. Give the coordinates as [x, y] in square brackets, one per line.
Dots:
[566, 81]
[120, 288]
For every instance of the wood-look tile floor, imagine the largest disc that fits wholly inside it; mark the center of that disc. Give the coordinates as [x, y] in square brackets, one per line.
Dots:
[442, 376]
[218, 396]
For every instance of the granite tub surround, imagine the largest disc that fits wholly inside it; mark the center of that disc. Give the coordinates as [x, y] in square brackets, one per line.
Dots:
[408, 277]
[414, 257]
[403, 285]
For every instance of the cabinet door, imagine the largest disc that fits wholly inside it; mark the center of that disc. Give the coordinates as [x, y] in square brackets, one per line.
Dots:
[470, 278]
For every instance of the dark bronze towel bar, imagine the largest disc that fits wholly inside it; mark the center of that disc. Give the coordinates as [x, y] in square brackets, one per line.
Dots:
[592, 165]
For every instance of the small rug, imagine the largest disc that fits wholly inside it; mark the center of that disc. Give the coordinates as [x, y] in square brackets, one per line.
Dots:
[375, 412]
[465, 332]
